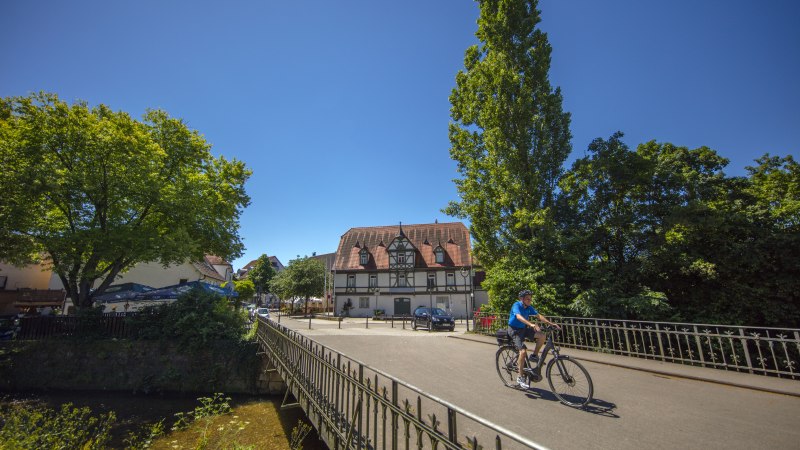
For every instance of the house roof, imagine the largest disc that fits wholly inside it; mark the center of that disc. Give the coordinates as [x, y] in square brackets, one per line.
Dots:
[216, 260]
[452, 237]
[208, 270]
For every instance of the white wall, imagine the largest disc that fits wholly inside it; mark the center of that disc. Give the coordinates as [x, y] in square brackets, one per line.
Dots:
[155, 275]
[34, 276]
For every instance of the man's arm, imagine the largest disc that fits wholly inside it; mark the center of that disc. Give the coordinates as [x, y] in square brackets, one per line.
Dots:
[544, 319]
[527, 322]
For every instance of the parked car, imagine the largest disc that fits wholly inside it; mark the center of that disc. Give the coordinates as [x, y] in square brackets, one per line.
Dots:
[432, 318]
[263, 312]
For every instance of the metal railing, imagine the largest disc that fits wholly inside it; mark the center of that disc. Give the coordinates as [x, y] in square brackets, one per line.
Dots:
[355, 406]
[756, 350]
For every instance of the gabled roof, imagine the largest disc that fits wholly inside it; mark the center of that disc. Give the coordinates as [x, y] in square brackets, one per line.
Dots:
[208, 270]
[453, 238]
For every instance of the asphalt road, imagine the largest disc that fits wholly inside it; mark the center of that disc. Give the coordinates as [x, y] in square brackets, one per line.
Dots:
[632, 409]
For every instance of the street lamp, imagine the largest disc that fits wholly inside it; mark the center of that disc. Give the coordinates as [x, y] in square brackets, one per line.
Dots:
[465, 273]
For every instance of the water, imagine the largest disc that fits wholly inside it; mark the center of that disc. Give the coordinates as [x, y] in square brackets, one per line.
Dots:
[255, 421]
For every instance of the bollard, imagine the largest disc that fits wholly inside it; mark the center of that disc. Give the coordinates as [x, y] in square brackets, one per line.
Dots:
[392, 321]
[309, 322]
[367, 322]
[340, 323]
[404, 323]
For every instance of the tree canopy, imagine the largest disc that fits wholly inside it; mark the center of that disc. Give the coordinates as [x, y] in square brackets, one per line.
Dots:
[261, 274]
[303, 278]
[655, 233]
[96, 191]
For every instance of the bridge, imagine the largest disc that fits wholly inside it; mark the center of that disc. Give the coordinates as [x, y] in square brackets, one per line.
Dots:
[378, 385]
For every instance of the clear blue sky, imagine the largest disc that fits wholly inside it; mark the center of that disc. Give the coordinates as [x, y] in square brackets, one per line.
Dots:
[341, 108]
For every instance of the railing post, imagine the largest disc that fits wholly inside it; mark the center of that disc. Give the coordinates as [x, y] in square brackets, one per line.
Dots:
[746, 350]
[452, 432]
[394, 412]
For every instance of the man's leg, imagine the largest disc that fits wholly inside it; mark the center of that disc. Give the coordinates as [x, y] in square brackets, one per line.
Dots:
[521, 361]
[539, 337]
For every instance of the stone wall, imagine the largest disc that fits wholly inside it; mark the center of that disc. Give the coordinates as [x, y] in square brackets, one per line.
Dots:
[136, 366]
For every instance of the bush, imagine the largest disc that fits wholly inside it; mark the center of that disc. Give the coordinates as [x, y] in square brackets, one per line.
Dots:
[196, 318]
[38, 427]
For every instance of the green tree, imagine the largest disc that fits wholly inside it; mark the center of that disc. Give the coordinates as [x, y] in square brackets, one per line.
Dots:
[510, 138]
[303, 278]
[261, 274]
[97, 192]
[245, 289]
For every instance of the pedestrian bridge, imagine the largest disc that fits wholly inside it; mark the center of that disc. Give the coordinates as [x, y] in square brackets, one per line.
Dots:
[368, 385]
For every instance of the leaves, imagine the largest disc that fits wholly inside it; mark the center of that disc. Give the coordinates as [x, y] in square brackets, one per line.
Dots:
[97, 192]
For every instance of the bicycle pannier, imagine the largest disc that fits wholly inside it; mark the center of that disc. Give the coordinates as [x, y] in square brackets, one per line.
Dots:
[502, 337]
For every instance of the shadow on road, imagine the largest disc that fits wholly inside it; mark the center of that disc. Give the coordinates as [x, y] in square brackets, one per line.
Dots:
[596, 406]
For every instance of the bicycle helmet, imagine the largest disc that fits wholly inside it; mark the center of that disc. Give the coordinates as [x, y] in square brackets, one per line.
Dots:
[524, 292]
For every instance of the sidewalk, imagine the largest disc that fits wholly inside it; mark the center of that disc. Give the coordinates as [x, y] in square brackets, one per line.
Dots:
[774, 385]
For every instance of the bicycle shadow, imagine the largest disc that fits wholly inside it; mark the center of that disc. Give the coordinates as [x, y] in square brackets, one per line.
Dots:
[596, 406]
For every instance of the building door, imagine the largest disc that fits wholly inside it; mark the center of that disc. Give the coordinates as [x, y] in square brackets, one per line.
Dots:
[402, 306]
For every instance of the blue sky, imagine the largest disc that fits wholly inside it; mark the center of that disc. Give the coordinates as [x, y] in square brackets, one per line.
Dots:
[341, 108]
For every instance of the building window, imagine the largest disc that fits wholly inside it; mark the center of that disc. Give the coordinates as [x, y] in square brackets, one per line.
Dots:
[401, 257]
[451, 278]
[443, 301]
[3, 281]
[401, 280]
[351, 281]
[431, 280]
[373, 281]
[183, 280]
[364, 257]
[439, 255]
[363, 302]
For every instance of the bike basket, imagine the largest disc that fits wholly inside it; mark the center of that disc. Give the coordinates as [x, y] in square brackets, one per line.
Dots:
[502, 337]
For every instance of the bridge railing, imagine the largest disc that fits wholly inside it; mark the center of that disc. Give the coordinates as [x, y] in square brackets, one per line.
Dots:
[756, 350]
[355, 406]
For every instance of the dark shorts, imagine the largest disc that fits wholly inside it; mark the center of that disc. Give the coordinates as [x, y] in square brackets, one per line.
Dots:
[518, 336]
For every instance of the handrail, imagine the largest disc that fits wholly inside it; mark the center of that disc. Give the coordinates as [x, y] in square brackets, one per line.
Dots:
[343, 397]
[766, 351]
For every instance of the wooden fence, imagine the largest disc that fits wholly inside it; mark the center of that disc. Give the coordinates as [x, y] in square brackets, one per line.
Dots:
[45, 327]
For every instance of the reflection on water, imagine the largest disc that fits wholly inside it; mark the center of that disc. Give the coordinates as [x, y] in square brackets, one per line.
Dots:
[255, 421]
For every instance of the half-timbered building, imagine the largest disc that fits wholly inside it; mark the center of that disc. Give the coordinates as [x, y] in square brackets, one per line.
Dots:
[395, 269]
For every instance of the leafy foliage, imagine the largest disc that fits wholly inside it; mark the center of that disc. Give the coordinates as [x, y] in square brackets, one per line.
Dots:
[303, 278]
[261, 274]
[196, 318]
[98, 192]
[26, 426]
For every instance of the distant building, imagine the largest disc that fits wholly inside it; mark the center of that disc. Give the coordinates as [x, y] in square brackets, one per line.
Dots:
[273, 261]
[398, 268]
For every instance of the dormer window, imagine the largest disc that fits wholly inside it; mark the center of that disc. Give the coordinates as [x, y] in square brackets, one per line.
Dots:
[364, 257]
[439, 252]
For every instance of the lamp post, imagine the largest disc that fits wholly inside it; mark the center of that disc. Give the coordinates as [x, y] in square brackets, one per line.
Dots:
[465, 273]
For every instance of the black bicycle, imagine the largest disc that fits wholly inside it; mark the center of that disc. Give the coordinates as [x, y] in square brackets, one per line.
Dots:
[568, 379]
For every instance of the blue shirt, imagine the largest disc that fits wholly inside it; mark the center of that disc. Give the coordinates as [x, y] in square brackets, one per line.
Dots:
[519, 308]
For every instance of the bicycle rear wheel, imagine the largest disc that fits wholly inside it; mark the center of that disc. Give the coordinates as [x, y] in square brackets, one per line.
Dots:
[506, 362]
[570, 381]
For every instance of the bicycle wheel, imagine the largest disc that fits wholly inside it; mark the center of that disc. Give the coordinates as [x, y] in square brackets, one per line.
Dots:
[570, 381]
[506, 362]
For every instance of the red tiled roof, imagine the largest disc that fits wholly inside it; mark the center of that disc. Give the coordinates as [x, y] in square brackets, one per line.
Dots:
[208, 270]
[216, 260]
[452, 237]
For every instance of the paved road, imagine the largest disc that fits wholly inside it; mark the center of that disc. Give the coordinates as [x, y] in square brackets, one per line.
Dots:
[633, 409]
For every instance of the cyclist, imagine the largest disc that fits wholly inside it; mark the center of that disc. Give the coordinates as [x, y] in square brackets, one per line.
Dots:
[520, 327]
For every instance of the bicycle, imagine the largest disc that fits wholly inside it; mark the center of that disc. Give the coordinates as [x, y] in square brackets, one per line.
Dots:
[570, 381]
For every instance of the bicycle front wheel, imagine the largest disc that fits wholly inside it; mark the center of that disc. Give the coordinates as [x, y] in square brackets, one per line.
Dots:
[570, 381]
[506, 361]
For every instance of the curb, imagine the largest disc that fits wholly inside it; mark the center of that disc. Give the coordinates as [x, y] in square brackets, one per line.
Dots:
[659, 372]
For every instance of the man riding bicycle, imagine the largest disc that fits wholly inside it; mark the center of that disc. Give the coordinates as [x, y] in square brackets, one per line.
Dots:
[521, 328]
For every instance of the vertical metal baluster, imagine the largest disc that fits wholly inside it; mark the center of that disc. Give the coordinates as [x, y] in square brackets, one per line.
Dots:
[394, 415]
[743, 339]
[452, 430]
[721, 349]
[660, 342]
[627, 341]
[699, 346]
[771, 345]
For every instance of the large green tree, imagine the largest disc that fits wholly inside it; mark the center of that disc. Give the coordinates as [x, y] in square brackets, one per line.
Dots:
[303, 278]
[95, 191]
[261, 274]
[510, 138]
